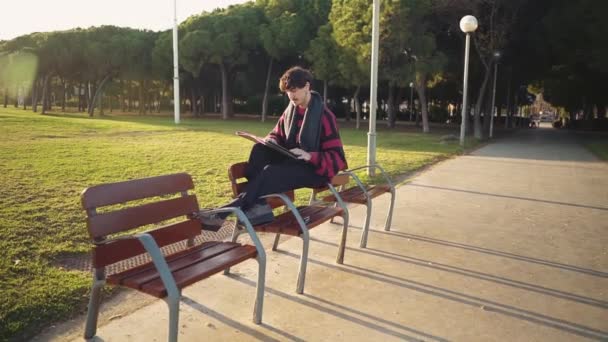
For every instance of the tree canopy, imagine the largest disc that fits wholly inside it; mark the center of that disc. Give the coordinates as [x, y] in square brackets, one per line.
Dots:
[230, 59]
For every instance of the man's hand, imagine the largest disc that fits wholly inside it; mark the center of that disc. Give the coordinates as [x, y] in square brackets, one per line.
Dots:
[301, 153]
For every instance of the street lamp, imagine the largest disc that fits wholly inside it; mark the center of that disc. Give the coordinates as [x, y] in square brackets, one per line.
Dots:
[496, 56]
[411, 99]
[468, 24]
[373, 90]
[175, 66]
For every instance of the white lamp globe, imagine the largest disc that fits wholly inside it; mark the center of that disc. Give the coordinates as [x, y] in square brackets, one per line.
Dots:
[468, 24]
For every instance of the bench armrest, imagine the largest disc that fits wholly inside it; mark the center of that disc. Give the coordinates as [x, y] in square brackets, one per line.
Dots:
[293, 209]
[339, 200]
[358, 182]
[373, 166]
[243, 219]
[160, 263]
[158, 259]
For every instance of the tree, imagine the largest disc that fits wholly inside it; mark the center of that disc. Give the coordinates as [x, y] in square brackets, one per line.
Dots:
[105, 55]
[395, 51]
[572, 35]
[350, 20]
[285, 32]
[322, 54]
[233, 36]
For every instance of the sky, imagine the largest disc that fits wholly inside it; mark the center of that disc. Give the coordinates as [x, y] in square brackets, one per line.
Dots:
[21, 17]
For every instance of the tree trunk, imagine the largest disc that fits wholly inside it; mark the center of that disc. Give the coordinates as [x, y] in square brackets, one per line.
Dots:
[192, 102]
[89, 96]
[79, 97]
[101, 111]
[601, 110]
[129, 95]
[35, 96]
[420, 85]
[140, 95]
[325, 91]
[392, 116]
[225, 101]
[146, 97]
[64, 93]
[50, 95]
[265, 99]
[489, 111]
[357, 107]
[508, 104]
[98, 92]
[5, 97]
[477, 115]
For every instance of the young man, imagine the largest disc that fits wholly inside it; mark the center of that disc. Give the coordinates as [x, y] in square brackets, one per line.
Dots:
[308, 129]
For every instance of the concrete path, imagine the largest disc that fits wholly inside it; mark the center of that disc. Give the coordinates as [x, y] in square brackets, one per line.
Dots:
[509, 243]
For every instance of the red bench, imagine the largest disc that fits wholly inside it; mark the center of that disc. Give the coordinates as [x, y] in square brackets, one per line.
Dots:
[165, 275]
[291, 221]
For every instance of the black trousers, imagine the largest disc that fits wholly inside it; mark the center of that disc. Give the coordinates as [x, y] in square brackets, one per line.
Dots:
[270, 172]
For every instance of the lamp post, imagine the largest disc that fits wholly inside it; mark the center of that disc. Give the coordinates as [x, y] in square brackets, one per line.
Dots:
[468, 24]
[175, 66]
[496, 59]
[373, 101]
[411, 99]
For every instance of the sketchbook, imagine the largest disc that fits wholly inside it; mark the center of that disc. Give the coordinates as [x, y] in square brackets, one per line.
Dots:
[268, 144]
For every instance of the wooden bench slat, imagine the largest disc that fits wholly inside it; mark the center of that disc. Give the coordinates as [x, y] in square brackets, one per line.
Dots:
[117, 250]
[207, 268]
[356, 195]
[121, 192]
[320, 214]
[176, 263]
[287, 224]
[116, 277]
[129, 218]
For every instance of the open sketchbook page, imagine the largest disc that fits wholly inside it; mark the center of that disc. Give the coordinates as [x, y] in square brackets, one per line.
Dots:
[268, 144]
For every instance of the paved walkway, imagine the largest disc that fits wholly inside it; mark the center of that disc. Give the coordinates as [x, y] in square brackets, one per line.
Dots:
[507, 244]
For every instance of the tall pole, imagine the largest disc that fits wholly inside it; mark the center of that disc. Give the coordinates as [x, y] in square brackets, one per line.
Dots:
[176, 100]
[371, 135]
[463, 122]
[493, 99]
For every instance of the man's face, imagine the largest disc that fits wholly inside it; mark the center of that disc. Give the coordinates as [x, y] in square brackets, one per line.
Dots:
[299, 96]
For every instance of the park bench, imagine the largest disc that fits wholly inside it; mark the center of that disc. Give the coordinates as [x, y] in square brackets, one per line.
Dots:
[295, 221]
[167, 273]
[362, 193]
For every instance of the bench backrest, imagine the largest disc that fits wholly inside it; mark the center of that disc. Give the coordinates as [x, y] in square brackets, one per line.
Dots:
[236, 174]
[112, 221]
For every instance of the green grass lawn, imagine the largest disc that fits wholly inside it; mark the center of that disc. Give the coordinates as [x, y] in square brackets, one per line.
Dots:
[47, 160]
[599, 148]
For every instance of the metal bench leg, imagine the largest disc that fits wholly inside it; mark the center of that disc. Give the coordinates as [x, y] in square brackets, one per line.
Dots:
[389, 216]
[235, 235]
[173, 303]
[259, 290]
[275, 244]
[363, 242]
[93, 309]
[303, 262]
[342, 247]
